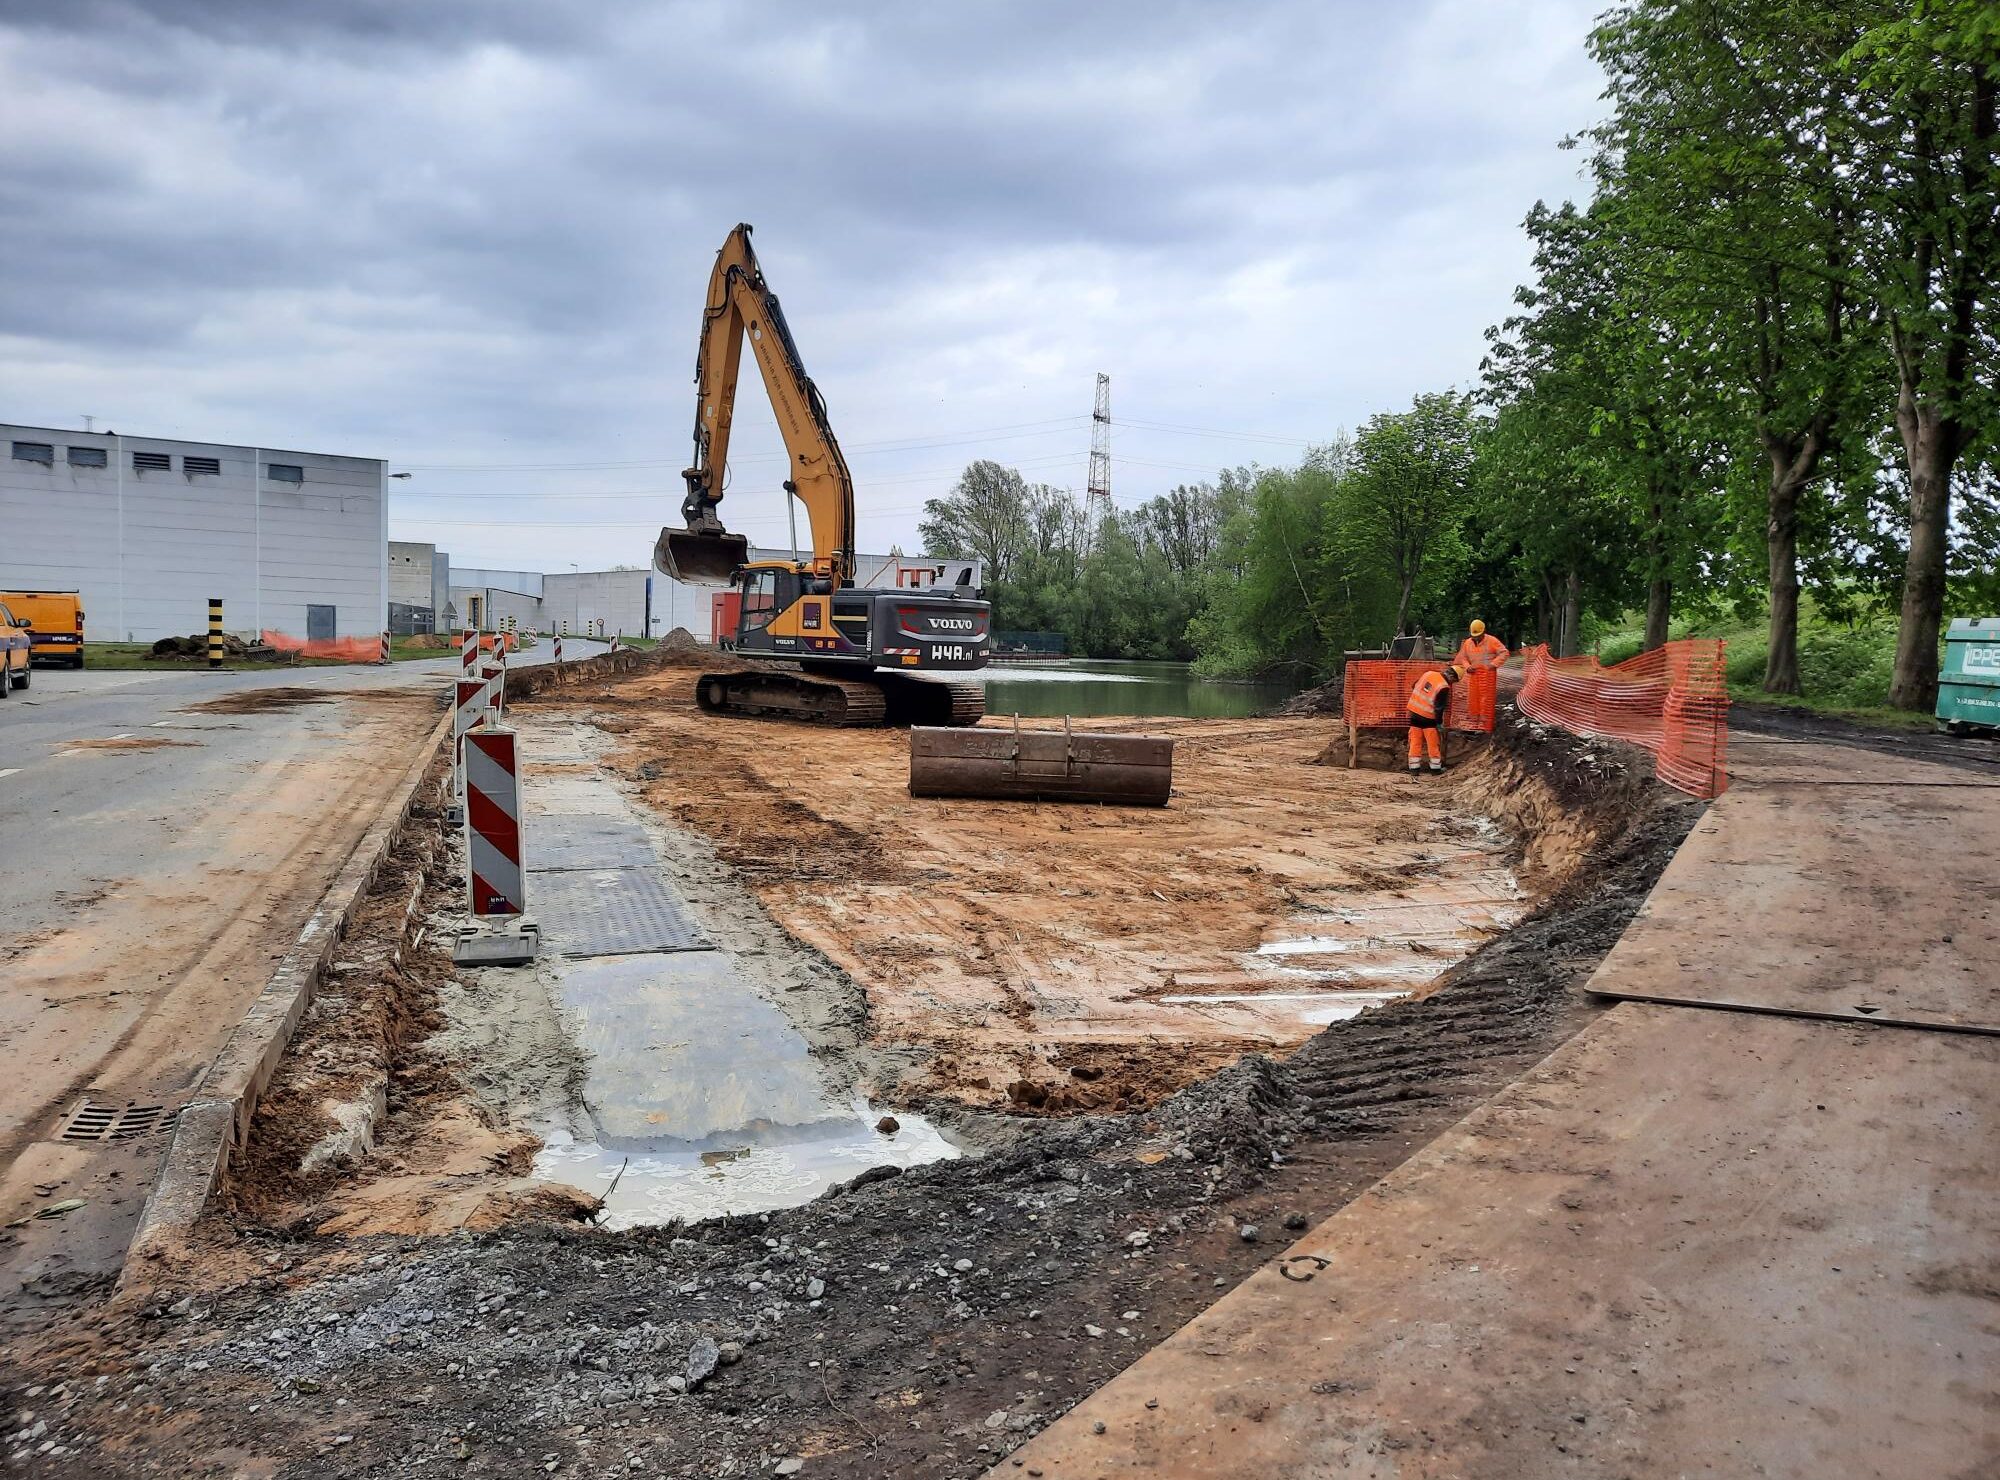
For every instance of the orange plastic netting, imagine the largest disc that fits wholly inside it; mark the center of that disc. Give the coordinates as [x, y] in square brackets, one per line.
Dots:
[1671, 702]
[1375, 694]
[347, 649]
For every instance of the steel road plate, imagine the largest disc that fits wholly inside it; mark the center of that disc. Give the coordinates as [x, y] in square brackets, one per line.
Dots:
[611, 912]
[581, 841]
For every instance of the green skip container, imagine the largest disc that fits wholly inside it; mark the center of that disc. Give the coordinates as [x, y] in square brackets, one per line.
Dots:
[1969, 686]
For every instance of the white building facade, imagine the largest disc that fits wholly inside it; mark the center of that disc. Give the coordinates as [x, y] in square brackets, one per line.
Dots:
[148, 529]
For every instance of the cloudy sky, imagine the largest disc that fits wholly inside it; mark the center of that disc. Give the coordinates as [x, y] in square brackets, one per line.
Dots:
[472, 236]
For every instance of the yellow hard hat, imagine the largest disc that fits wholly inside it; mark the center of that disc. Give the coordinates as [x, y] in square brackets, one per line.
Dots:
[1478, 628]
[1451, 673]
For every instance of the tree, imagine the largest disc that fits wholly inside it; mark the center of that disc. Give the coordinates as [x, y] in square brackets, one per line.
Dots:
[1928, 182]
[1410, 489]
[1722, 166]
[985, 515]
[1595, 346]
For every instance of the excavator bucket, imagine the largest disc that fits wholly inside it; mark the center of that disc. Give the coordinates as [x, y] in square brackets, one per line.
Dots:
[705, 559]
[1042, 765]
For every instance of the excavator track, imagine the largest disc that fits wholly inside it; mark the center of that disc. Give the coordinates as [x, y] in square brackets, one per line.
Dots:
[863, 701]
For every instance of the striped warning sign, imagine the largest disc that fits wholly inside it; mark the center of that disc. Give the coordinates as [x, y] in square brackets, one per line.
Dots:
[494, 672]
[468, 710]
[558, 641]
[468, 653]
[496, 880]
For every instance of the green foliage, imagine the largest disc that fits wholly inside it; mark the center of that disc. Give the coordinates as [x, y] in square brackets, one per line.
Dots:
[1750, 380]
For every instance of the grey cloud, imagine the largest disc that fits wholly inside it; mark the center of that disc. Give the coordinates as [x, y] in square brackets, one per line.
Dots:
[464, 229]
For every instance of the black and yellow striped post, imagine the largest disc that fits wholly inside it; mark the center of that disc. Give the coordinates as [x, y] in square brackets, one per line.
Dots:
[215, 631]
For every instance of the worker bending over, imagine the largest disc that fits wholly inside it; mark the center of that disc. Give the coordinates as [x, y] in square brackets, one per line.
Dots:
[1430, 702]
[1480, 650]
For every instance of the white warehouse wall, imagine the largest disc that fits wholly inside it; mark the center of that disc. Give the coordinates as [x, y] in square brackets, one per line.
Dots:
[147, 549]
[615, 597]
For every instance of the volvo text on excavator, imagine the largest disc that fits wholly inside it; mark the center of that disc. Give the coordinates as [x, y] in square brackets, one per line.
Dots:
[846, 653]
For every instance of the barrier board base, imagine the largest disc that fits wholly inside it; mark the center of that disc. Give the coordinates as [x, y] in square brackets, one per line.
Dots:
[511, 945]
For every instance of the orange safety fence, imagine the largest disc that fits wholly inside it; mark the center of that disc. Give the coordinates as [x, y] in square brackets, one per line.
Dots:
[1375, 694]
[1670, 701]
[346, 649]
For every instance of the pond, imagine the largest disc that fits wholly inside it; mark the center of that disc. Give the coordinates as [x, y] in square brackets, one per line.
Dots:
[1089, 686]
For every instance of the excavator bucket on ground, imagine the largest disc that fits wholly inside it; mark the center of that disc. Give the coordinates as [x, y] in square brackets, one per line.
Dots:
[1042, 765]
[704, 559]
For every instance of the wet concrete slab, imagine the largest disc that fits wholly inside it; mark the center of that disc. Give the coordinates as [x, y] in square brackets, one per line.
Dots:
[699, 1096]
[682, 1049]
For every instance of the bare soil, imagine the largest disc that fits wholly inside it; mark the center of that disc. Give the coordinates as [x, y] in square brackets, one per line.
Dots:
[1018, 956]
[264, 701]
[920, 1324]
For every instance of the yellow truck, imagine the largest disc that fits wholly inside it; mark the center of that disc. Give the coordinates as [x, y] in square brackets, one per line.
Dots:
[55, 621]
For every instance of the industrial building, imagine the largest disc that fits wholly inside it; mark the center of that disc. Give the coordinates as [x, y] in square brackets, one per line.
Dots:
[147, 529]
[419, 588]
[647, 602]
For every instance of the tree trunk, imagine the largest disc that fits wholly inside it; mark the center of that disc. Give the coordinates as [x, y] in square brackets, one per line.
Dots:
[1930, 444]
[1545, 622]
[1659, 584]
[1403, 603]
[1791, 468]
[1659, 612]
[1572, 617]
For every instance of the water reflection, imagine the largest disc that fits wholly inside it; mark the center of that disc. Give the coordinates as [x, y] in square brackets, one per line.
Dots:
[1088, 686]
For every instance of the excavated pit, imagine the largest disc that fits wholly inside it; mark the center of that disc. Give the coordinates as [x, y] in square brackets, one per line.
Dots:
[916, 1323]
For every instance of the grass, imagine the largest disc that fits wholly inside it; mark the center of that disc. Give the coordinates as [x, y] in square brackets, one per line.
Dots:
[1844, 669]
[137, 657]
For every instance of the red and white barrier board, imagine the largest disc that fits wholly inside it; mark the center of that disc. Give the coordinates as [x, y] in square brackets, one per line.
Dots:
[558, 642]
[471, 696]
[468, 653]
[496, 879]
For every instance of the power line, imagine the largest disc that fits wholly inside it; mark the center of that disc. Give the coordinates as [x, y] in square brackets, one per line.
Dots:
[915, 443]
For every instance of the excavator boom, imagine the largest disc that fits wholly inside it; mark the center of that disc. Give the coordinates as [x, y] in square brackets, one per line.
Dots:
[740, 305]
[853, 655]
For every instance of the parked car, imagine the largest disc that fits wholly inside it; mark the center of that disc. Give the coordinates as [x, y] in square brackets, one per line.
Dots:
[16, 652]
[55, 622]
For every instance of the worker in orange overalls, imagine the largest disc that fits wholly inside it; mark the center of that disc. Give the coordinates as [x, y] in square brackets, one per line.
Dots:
[1480, 650]
[1430, 702]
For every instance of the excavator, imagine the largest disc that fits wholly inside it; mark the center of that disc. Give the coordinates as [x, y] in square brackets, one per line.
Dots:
[832, 652]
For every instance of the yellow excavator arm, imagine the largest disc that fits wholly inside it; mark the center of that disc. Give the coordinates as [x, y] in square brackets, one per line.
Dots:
[740, 303]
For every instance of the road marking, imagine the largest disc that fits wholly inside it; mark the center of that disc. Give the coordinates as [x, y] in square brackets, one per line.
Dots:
[11, 771]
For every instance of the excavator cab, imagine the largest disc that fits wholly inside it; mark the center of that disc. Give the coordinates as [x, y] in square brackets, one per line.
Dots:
[701, 557]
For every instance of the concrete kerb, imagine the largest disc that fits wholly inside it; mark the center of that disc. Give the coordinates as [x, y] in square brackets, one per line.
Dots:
[217, 1120]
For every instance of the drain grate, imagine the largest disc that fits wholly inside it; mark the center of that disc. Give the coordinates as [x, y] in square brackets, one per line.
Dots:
[92, 1121]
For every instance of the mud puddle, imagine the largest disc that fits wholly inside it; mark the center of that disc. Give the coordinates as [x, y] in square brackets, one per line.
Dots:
[732, 1172]
[262, 701]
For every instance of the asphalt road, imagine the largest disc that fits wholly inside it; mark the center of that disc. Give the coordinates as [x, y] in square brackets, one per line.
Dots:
[163, 839]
